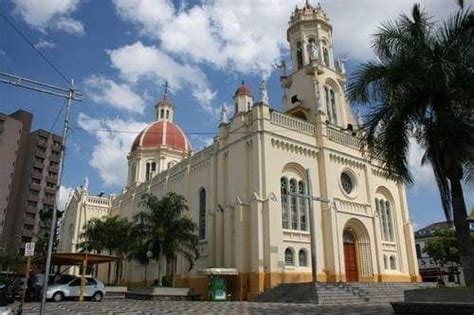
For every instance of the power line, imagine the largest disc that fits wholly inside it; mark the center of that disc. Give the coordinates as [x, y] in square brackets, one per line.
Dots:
[36, 49]
[160, 133]
[57, 115]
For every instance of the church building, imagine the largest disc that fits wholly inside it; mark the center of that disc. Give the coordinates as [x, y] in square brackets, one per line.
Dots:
[246, 190]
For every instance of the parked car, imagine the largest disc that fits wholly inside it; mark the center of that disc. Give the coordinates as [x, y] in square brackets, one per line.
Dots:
[69, 287]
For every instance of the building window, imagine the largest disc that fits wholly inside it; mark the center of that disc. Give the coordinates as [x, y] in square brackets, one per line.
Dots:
[284, 203]
[332, 96]
[302, 206]
[385, 262]
[393, 263]
[167, 114]
[162, 113]
[383, 208]
[294, 206]
[202, 214]
[289, 257]
[347, 183]
[299, 55]
[150, 170]
[302, 258]
[326, 56]
[328, 108]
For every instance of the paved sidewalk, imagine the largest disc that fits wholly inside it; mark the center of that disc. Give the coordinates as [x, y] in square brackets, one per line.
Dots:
[129, 307]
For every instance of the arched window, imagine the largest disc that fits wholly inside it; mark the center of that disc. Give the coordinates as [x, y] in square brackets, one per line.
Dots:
[293, 205]
[167, 114]
[299, 55]
[326, 56]
[385, 262]
[393, 263]
[328, 103]
[202, 214]
[332, 96]
[383, 208]
[150, 170]
[289, 257]
[162, 113]
[285, 216]
[302, 258]
[302, 206]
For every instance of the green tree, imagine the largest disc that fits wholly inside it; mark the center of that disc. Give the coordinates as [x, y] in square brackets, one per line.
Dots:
[111, 234]
[421, 85]
[165, 232]
[443, 248]
[138, 251]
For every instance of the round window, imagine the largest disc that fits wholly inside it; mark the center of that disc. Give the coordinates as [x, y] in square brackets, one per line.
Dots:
[347, 182]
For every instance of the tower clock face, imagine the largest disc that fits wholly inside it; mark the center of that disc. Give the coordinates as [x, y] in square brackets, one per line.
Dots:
[347, 183]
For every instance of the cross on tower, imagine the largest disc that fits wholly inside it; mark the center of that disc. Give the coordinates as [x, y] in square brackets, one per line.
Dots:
[166, 87]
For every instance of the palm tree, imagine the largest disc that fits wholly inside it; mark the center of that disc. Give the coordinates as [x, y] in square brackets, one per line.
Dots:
[138, 251]
[421, 86]
[166, 232]
[111, 234]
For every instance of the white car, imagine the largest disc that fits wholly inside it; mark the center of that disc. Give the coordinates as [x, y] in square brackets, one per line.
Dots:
[70, 287]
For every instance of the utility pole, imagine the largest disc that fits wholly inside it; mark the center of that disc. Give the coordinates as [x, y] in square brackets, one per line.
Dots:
[70, 94]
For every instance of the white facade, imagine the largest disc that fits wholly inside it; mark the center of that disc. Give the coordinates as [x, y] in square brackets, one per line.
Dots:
[243, 189]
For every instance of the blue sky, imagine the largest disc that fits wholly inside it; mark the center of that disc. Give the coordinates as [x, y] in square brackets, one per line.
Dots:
[120, 52]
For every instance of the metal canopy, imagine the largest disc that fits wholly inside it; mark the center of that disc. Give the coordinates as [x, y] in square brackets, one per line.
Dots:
[76, 259]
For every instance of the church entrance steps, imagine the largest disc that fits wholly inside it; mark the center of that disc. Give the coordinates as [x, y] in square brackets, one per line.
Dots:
[338, 293]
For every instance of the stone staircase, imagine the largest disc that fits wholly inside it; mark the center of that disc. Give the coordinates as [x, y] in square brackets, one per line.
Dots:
[339, 293]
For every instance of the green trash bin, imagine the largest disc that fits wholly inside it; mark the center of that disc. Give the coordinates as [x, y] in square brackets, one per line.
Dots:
[217, 289]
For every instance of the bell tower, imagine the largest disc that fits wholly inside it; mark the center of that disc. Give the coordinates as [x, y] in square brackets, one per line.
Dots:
[317, 82]
[164, 109]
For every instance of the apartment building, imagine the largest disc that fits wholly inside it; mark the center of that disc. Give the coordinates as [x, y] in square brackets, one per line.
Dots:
[32, 181]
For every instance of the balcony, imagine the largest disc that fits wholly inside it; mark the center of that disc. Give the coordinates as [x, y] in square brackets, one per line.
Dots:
[34, 186]
[41, 143]
[40, 154]
[52, 179]
[53, 168]
[50, 190]
[31, 209]
[29, 220]
[48, 201]
[27, 233]
[36, 175]
[33, 198]
[38, 164]
[54, 158]
[56, 148]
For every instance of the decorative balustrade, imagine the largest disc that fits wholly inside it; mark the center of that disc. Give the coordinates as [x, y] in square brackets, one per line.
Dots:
[98, 200]
[343, 138]
[291, 123]
[350, 206]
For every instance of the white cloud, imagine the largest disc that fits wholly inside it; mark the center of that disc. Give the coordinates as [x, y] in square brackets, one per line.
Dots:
[69, 25]
[249, 36]
[49, 14]
[137, 62]
[105, 91]
[422, 174]
[64, 196]
[109, 155]
[45, 44]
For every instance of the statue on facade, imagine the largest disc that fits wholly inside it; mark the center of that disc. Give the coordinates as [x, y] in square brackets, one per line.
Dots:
[341, 65]
[223, 119]
[264, 92]
[86, 184]
[313, 50]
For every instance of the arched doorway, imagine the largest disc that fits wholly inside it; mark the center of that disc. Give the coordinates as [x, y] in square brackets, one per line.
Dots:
[350, 256]
[357, 252]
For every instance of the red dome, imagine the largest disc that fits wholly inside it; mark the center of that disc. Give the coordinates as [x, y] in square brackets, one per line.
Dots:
[162, 133]
[243, 90]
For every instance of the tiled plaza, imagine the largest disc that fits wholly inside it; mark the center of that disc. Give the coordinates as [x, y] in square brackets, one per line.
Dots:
[122, 306]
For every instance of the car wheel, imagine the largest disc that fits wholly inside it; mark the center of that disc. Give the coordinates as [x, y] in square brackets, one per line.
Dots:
[97, 297]
[58, 297]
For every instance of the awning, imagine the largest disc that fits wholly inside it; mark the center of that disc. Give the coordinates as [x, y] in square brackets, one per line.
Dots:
[76, 259]
[220, 271]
